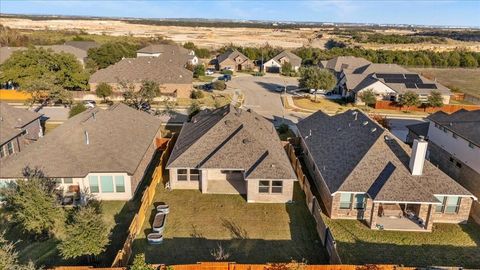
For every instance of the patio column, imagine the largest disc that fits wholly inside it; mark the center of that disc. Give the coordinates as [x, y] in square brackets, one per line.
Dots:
[429, 220]
[374, 215]
[204, 181]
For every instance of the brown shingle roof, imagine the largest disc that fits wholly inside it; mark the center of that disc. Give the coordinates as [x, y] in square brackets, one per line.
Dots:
[158, 69]
[293, 58]
[83, 45]
[118, 140]
[232, 138]
[12, 120]
[231, 54]
[345, 62]
[360, 156]
[78, 53]
[464, 123]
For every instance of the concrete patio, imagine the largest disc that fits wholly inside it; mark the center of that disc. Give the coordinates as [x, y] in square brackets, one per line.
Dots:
[391, 223]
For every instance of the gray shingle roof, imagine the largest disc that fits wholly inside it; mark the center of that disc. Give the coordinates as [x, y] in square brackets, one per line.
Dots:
[421, 129]
[345, 62]
[465, 124]
[232, 138]
[78, 53]
[12, 120]
[6, 52]
[292, 58]
[231, 54]
[118, 140]
[172, 49]
[83, 45]
[354, 156]
[158, 69]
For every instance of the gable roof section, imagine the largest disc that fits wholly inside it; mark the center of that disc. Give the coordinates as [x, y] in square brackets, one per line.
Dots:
[293, 58]
[345, 62]
[230, 54]
[82, 45]
[78, 53]
[420, 129]
[464, 123]
[135, 70]
[164, 48]
[118, 140]
[232, 138]
[360, 156]
[12, 120]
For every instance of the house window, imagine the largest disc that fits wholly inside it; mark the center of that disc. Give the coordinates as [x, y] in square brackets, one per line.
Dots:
[182, 175]
[57, 181]
[359, 201]
[345, 200]
[194, 175]
[452, 159]
[452, 204]
[454, 135]
[459, 165]
[119, 183]
[277, 187]
[471, 145]
[445, 130]
[439, 207]
[93, 182]
[2, 151]
[264, 187]
[10, 148]
[67, 180]
[106, 183]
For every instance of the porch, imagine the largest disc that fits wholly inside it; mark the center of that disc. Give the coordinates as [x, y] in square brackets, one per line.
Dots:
[402, 216]
[225, 182]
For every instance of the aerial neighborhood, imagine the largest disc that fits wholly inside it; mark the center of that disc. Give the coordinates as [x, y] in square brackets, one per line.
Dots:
[139, 150]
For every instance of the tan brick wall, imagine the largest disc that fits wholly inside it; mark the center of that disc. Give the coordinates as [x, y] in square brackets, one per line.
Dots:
[175, 184]
[361, 214]
[182, 90]
[460, 217]
[254, 196]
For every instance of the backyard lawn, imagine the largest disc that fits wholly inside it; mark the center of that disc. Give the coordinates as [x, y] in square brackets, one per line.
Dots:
[117, 215]
[447, 245]
[250, 233]
[321, 104]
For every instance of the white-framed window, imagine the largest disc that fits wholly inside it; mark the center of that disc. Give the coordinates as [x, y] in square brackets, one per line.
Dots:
[3, 151]
[194, 175]
[93, 183]
[119, 184]
[188, 174]
[270, 187]
[182, 174]
[10, 148]
[450, 204]
[345, 200]
[360, 200]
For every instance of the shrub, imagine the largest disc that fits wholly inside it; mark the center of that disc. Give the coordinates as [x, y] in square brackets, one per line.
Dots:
[76, 109]
[227, 72]
[219, 85]
[103, 90]
[193, 109]
[368, 97]
[198, 70]
[196, 94]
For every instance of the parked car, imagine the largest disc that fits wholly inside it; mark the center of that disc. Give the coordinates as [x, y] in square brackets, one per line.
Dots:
[225, 77]
[207, 87]
[317, 91]
[90, 103]
[279, 88]
[209, 72]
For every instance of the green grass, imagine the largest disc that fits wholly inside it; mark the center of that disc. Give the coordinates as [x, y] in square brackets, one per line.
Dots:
[448, 244]
[50, 126]
[251, 233]
[205, 78]
[463, 79]
[116, 214]
[208, 100]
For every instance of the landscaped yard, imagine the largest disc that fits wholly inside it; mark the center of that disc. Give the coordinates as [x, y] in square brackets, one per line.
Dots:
[209, 100]
[117, 215]
[321, 104]
[448, 245]
[251, 233]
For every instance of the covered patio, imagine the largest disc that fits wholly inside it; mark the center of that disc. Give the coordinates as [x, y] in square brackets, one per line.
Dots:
[402, 216]
[225, 182]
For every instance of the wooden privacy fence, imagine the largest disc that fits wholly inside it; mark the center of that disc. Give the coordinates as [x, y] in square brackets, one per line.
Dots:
[448, 108]
[123, 255]
[314, 207]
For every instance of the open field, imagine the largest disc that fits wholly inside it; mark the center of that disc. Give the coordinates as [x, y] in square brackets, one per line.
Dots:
[448, 244]
[216, 37]
[250, 232]
[465, 80]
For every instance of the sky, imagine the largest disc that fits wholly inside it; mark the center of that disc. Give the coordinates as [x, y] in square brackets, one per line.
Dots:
[453, 12]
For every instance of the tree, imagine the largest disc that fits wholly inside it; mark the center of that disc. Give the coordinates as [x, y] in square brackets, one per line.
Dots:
[9, 257]
[104, 90]
[202, 53]
[148, 91]
[317, 78]
[189, 45]
[435, 99]
[409, 98]
[140, 264]
[44, 74]
[110, 53]
[198, 71]
[34, 205]
[88, 235]
[219, 85]
[287, 69]
[76, 109]
[193, 109]
[368, 97]
[196, 94]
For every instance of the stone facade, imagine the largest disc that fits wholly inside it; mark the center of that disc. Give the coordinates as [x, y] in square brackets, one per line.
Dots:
[460, 217]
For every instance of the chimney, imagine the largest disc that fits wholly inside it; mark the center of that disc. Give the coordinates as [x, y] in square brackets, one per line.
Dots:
[87, 140]
[417, 159]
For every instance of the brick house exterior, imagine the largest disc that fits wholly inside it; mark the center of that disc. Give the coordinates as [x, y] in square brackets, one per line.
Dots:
[233, 60]
[362, 172]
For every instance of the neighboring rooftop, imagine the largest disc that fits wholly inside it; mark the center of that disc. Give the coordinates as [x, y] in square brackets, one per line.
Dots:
[78, 53]
[353, 153]
[465, 124]
[293, 58]
[232, 138]
[135, 70]
[344, 62]
[118, 139]
[12, 120]
[230, 54]
[83, 45]
[420, 129]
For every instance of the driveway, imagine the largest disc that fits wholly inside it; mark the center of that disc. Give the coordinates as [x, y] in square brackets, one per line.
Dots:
[260, 95]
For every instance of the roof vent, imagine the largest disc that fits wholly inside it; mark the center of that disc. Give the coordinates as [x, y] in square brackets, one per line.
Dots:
[272, 165]
[387, 138]
[87, 139]
[365, 123]
[373, 130]
[228, 122]
[338, 129]
[356, 115]
[246, 140]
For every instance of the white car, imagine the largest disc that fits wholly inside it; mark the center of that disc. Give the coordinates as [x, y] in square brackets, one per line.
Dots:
[317, 91]
[209, 72]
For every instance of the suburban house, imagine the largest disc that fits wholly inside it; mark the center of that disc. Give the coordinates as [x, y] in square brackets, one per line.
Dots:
[79, 54]
[101, 152]
[18, 128]
[82, 45]
[388, 82]
[337, 64]
[275, 64]
[454, 146]
[381, 180]
[233, 60]
[174, 80]
[6, 52]
[232, 151]
[174, 52]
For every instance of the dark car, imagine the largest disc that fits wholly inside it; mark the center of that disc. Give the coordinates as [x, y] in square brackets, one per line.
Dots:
[207, 87]
[225, 77]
